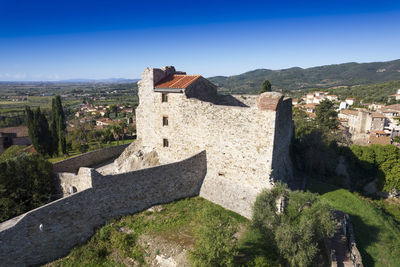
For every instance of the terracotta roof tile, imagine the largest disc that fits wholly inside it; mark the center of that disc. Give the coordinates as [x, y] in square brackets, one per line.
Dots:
[177, 81]
[349, 112]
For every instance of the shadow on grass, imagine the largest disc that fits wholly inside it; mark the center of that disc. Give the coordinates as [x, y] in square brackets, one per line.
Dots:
[365, 235]
[253, 245]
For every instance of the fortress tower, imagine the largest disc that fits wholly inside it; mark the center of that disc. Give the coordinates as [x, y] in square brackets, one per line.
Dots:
[246, 138]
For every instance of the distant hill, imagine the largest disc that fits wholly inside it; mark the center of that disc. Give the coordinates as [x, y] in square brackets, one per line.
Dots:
[316, 77]
[109, 80]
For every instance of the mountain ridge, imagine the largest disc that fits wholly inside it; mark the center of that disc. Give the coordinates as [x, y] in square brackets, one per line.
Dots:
[344, 74]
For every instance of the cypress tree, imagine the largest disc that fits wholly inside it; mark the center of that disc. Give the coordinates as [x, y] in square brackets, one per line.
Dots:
[31, 124]
[53, 127]
[42, 133]
[60, 121]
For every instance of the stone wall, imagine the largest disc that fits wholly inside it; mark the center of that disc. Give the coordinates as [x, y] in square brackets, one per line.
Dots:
[88, 159]
[49, 232]
[241, 140]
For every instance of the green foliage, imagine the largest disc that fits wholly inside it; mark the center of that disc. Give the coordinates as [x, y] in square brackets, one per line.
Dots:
[110, 246]
[326, 116]
[216, 244]
[25, 184]
[11, 152]
[266, 87]
[296, 231]
[368, 162]
[369, 93]
[313, 148]
[377, 234]
[80, 136]
[396, 139]
[59, 119]
[38, 130]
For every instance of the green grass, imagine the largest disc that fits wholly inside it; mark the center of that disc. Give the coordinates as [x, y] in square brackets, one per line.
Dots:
[377, 234]
[183, 216]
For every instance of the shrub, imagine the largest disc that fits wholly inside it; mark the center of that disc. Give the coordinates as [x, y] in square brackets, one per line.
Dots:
[296, 230]
[216, 244]
[25, 184]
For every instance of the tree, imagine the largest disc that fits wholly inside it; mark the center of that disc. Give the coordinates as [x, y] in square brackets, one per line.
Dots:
[80, 137]
[38, 130]
[266, 87]
[326, 116]
[25, 184]
[61, 126]
[53, 126]
[114, 108]
[116, 130]
[296, 226]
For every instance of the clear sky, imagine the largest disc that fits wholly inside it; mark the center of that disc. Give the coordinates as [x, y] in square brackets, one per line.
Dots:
[55, 40]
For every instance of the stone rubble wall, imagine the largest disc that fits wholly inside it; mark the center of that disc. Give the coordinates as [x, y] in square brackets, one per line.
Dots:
[49, 232]
[241, 141]
[88, 159]
[69, 183]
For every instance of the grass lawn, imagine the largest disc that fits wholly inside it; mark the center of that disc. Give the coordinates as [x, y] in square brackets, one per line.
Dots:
[377, 234]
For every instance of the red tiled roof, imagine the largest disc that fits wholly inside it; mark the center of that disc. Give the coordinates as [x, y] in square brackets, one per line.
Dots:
[380, 132]
[177, 81]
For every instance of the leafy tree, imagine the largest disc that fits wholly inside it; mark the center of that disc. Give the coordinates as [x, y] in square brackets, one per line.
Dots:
[368, 162]
[216, 244]
[80, 137]
[116, 131]
[266, 87]
[296, 229]
[25, 184]
[326, 116]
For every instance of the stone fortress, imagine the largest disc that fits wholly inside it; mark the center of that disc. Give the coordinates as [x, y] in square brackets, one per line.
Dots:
[246, 138]
[191, 141]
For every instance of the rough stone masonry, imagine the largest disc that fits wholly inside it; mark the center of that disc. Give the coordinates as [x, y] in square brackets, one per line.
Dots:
[223, 148]
[246, 138]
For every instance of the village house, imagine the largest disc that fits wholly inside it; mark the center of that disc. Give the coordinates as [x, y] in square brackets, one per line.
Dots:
[13, 136]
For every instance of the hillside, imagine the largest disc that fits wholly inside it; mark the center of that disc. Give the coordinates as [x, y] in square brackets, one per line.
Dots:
[321, 77]
[377, 233]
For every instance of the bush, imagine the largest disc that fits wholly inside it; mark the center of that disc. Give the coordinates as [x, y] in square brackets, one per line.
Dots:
[216, 244]
[25, 184]
[297, 229]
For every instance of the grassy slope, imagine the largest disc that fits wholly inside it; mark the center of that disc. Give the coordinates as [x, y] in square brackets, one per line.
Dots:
[108, 246]
[377, 234]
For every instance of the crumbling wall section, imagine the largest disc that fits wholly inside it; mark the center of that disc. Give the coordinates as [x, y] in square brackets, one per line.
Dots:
[49, 232]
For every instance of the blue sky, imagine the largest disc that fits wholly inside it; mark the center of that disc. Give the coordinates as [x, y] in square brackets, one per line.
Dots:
[55, 40]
